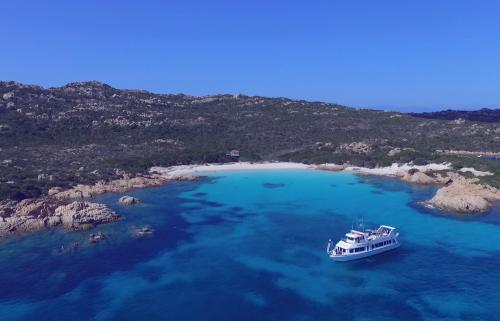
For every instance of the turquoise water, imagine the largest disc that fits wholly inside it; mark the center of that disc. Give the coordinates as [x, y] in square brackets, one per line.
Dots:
[251, 246]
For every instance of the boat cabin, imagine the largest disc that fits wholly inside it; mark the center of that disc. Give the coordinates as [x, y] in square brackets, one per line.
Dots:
[357, 244]
[357, 241]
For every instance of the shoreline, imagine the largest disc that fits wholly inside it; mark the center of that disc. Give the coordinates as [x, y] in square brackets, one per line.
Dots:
[456, 194]
[73, 210]
[174, 172]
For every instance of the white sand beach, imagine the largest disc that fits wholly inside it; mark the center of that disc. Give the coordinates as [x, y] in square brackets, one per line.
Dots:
[395, 169]
[176, 171]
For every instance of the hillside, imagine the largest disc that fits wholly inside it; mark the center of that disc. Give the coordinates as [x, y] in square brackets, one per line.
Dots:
[83, 132]
[482, 115]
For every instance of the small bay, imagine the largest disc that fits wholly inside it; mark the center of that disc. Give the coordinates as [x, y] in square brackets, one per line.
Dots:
[251, 245]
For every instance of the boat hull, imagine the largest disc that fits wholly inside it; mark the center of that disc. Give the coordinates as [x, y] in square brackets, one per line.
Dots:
[361, 255]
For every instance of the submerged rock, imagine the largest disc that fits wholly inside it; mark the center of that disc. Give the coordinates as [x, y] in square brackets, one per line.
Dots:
[97, 237]
[143, 231]
[129, 200]
[69, 248]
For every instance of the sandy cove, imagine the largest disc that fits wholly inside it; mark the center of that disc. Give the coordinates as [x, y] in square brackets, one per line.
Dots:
[457, 193]
[67, 208]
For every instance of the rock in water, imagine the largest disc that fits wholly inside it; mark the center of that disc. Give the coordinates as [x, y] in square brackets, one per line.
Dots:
[143, 231]
[32, 215]
[81, 215]
[129, 200]
[97, 237]
[465, 195]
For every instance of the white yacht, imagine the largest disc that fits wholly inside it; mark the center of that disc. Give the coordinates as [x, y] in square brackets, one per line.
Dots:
[357, 244]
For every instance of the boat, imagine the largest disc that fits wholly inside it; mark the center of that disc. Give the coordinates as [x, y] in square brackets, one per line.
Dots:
[361, 244]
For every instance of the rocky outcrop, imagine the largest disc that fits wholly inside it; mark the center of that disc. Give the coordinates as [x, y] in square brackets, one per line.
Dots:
[82, 215]
[465, 195]
[32, 215]
[114, 186]
[356, 148]
[457, 193]
[54, 190]
[331, 167]
[129, 200]
[66, 208]
[419, 178]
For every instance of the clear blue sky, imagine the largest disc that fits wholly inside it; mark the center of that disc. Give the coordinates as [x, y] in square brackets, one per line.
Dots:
[406, 55]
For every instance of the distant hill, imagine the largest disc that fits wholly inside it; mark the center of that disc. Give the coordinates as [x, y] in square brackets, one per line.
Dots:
[482, 115]
[83, 132]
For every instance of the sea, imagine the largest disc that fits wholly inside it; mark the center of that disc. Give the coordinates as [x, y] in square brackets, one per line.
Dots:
[251, 245]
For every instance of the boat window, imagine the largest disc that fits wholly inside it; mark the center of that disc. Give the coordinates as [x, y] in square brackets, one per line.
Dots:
[350, 251]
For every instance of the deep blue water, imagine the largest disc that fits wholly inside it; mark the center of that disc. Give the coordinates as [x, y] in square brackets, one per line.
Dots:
[251, 246]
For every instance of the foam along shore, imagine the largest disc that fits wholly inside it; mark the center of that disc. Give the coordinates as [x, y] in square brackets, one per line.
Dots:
[174, 172]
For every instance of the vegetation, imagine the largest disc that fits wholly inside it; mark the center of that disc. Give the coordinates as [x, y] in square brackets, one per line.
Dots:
[482, 115]
[84, 132]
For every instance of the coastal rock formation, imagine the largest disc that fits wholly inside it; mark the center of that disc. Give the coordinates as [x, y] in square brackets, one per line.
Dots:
[66, 208]
[114, 186]
[458, 194]
[82, 215]
[129, 200]
[418, 178]
[32, 215]
[465, 195]
[187, 178]
[331, 167]
[54, 190]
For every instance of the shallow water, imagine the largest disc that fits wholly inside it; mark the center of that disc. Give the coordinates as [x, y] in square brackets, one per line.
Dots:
[251, 246]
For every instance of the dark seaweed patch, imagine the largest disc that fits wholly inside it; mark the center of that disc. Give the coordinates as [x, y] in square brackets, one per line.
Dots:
[272, 185]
